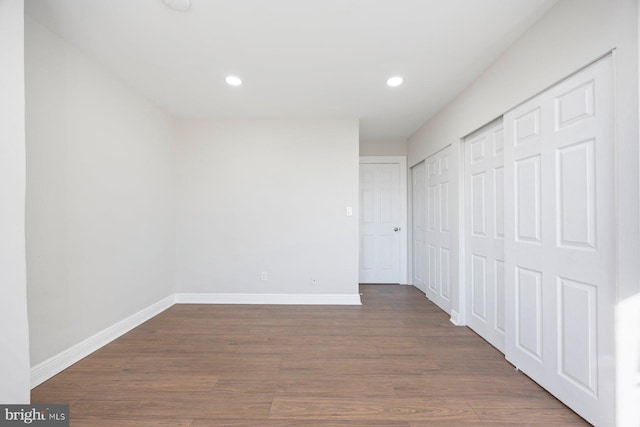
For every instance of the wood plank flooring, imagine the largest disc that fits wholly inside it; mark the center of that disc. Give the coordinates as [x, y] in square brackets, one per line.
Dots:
[395, 361]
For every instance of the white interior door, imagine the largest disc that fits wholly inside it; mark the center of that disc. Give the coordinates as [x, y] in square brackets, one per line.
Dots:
[484, 228]
[419, 219]
[560, 241]
[380, 223]
[438, 230]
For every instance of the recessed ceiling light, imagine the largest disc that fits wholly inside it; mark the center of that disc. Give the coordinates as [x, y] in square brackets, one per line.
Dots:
[179, 5]
[233, 80]
[394, 81]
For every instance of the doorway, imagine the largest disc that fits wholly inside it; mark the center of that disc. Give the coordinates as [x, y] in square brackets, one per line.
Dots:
[540, 239]
[433, 263]
[383, 220]
[560, 240]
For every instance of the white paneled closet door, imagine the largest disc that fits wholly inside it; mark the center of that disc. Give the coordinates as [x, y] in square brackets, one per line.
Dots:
[438, 230]
[484, 228]
[419, 217]
[560, 241]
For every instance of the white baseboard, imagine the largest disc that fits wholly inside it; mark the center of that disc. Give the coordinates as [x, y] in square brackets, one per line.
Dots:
[273, 299]
[56, 364]
[455, 318]
[61, 361]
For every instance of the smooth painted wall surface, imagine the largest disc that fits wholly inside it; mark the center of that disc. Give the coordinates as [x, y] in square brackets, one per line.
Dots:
[14, 344]
[384, 148]
[267, 196]
[571, 35]
[100, 197]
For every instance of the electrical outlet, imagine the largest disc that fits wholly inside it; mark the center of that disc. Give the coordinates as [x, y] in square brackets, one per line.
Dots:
[263, 276]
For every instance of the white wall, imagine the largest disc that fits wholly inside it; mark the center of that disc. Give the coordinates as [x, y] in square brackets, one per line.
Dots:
[100, 197]
[268, 196]
[570, 36]
[384, 148]
[14, 344]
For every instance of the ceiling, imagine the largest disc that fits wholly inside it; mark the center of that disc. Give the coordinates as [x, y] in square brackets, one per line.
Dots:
[297, 58]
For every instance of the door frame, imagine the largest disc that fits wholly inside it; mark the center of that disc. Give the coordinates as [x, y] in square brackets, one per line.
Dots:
[411, 222]
[401, 161]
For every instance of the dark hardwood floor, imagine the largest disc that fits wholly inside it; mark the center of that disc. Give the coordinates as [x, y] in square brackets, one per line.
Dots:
[396, 361]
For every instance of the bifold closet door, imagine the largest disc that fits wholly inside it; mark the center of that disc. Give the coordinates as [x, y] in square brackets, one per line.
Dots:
[560, 241]
[484, 233]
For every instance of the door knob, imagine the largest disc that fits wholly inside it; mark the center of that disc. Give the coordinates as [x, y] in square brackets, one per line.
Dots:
[396, 229]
